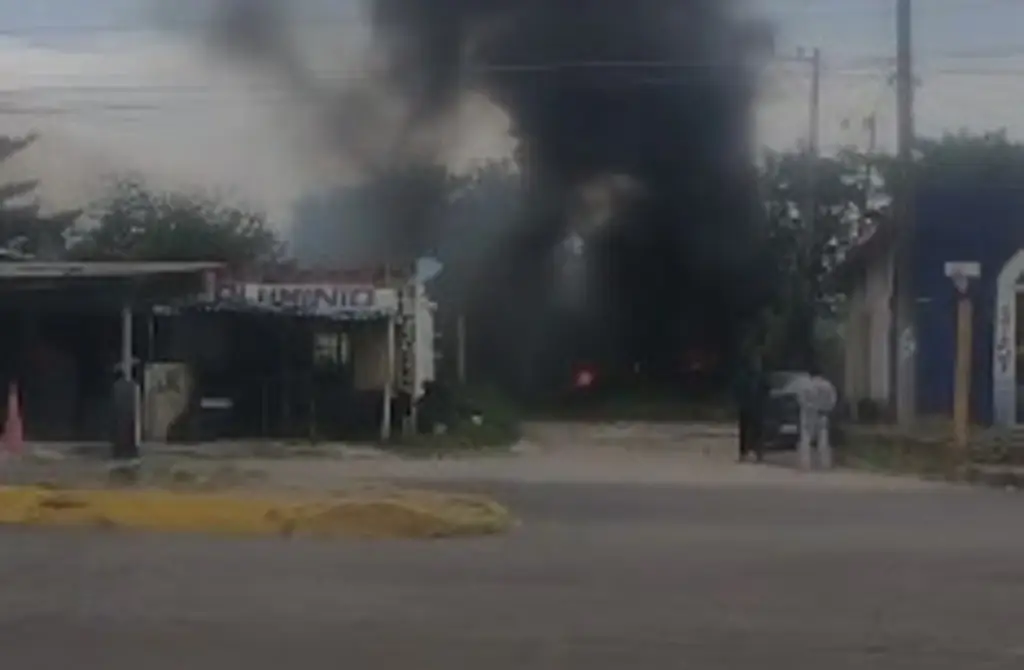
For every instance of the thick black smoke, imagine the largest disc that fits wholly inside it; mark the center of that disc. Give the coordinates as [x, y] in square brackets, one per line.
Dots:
[660, 91]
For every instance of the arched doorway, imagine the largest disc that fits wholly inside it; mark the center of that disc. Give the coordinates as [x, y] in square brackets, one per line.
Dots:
[1008, 344]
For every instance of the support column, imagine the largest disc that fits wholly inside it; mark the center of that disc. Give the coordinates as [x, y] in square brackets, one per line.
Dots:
[389, 381]
[126, 398]
[825, 458]
[460, 349]
[803, 449]
[408, 300]
[415, 384]
[126, 342]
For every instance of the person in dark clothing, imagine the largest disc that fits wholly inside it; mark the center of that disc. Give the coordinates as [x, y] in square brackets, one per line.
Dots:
[752, 395]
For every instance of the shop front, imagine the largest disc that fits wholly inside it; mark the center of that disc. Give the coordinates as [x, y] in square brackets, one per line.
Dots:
[313, 360]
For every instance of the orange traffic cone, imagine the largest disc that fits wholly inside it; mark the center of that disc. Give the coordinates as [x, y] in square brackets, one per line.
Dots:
[13, 437]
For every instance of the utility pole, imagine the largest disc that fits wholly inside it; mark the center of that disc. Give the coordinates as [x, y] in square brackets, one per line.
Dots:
[904, 349]
[810, 207]
[814, 131]
[871, 125]
[813, 136]
[460, 348]
[813, 139]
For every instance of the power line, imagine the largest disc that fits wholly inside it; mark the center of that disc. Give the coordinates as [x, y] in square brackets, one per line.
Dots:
[811, 8]
[93, 99]
[327, 19]
[641, 70]
[196, 28]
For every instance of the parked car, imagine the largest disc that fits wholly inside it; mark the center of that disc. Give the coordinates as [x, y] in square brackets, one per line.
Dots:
[781, 430]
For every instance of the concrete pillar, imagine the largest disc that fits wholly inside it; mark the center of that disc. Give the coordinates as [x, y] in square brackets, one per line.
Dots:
[804, 457]
[126, 424]
[126, 342]
[824, 446]
[389, 381]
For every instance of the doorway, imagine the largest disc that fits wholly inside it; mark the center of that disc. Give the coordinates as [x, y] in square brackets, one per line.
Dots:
[1018, 362]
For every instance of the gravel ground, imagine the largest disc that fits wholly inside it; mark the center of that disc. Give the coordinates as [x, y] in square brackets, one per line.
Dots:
[697, 455]
[686, 561]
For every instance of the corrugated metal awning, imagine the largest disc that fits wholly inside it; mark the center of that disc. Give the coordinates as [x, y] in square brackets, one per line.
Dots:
[288, 311]
[99, 270]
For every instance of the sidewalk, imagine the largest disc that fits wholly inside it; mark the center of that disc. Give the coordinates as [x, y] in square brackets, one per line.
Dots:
[710, 465]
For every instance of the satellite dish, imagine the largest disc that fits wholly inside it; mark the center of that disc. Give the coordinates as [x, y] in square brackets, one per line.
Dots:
[427, 269]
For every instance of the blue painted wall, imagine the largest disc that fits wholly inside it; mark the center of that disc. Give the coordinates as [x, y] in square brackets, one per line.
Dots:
[979, 224]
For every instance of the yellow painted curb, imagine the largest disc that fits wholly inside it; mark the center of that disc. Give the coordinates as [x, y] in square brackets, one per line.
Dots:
[394, 514]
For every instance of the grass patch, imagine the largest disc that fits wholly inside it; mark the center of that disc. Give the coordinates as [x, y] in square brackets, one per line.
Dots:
[464, 419]
[652, 408]
[907, 457]
[929, 453]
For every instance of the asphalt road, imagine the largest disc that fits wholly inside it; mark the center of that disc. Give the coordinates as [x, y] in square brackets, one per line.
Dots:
[599, 577]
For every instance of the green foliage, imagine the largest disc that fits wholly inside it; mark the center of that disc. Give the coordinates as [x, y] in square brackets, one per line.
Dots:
[804, 251]
[480, 418]
[24, 233]
[137, 223]
[963, 159]
[853, 191]
[501, 419]
[992, 459]
[648, 407]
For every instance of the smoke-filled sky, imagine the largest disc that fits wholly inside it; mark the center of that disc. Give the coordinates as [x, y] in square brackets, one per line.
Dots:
[111, 94]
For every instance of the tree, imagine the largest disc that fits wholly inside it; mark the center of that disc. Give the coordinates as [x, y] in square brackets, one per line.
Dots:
[964, 159]
[137, 223]
[851, 202]
[24, 233]
[805, 253]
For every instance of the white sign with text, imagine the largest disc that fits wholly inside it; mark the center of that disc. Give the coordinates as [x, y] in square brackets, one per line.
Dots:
[319, 299]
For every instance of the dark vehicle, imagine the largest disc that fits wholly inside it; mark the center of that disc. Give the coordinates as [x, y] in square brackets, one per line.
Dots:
[781, 431]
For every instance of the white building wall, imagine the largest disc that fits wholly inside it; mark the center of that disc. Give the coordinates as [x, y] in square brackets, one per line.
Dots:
[855, 374]
[878, 290]
[867, 327]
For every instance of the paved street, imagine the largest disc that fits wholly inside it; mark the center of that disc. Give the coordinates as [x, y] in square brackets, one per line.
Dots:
[600, 576]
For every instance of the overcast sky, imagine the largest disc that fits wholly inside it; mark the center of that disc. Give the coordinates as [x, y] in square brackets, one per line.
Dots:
[110, 94]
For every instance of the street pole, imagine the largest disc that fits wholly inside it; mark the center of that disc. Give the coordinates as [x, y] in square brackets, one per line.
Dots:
[810, 211]
[962, 381]
[963, 274]
[388, 393]
[905, 340]
[814, 131]
[813, 139]
[871, 123]
[460, 351]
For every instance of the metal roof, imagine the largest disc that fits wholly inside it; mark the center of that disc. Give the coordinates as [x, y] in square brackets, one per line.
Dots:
[105, 269]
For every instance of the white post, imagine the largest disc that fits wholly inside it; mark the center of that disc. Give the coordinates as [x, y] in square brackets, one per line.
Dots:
[806, 435]
[824, 446]
[389, 381]
[126, 342]
[460, 351]
[126, 369]
[417, 382]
